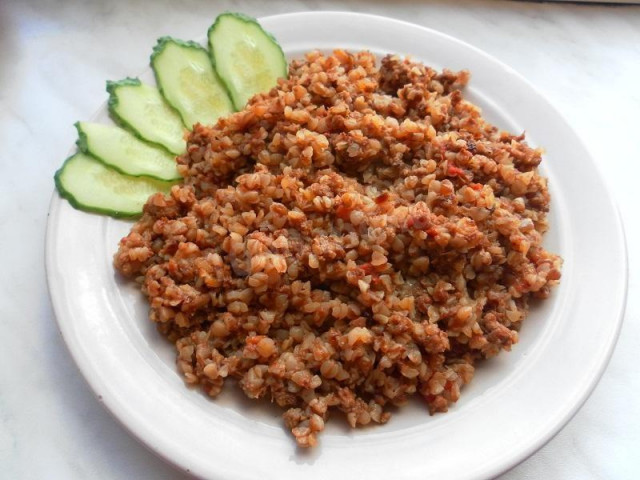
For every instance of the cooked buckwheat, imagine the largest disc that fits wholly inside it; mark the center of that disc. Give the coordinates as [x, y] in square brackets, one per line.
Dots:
[353, 237]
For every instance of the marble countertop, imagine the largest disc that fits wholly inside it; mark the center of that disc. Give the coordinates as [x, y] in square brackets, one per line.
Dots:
[54, 60]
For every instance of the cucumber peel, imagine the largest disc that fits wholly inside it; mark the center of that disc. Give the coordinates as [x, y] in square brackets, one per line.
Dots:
[141, 109]
[247, 59]
[91, 186]
[188, 82]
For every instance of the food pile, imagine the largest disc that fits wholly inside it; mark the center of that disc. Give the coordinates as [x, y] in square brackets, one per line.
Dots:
[355, 236]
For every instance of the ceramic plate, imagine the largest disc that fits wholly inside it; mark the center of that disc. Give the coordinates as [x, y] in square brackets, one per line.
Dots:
[515, 403]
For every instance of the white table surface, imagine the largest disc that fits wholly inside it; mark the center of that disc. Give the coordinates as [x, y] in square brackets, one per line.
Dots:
[54, 60]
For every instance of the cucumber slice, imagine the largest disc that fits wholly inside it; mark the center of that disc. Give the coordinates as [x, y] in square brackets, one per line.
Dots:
[124, 152]
[141, 109]
[188, 82]
[91, 186]
[247, 59]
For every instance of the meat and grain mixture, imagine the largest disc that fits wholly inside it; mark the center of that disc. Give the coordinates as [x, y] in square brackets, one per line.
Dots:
[356, 236]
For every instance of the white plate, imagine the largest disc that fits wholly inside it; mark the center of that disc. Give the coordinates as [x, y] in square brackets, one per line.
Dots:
[515, 404]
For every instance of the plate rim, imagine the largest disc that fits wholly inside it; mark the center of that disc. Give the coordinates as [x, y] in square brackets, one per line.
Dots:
[513, 459]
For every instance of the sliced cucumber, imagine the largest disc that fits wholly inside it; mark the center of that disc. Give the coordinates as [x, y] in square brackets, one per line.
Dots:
[141, 109]
[125, 152]
[247, 59]
[90, 185]
[188, 82]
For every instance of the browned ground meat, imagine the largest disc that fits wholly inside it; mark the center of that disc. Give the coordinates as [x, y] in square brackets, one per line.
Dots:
[353, 237]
